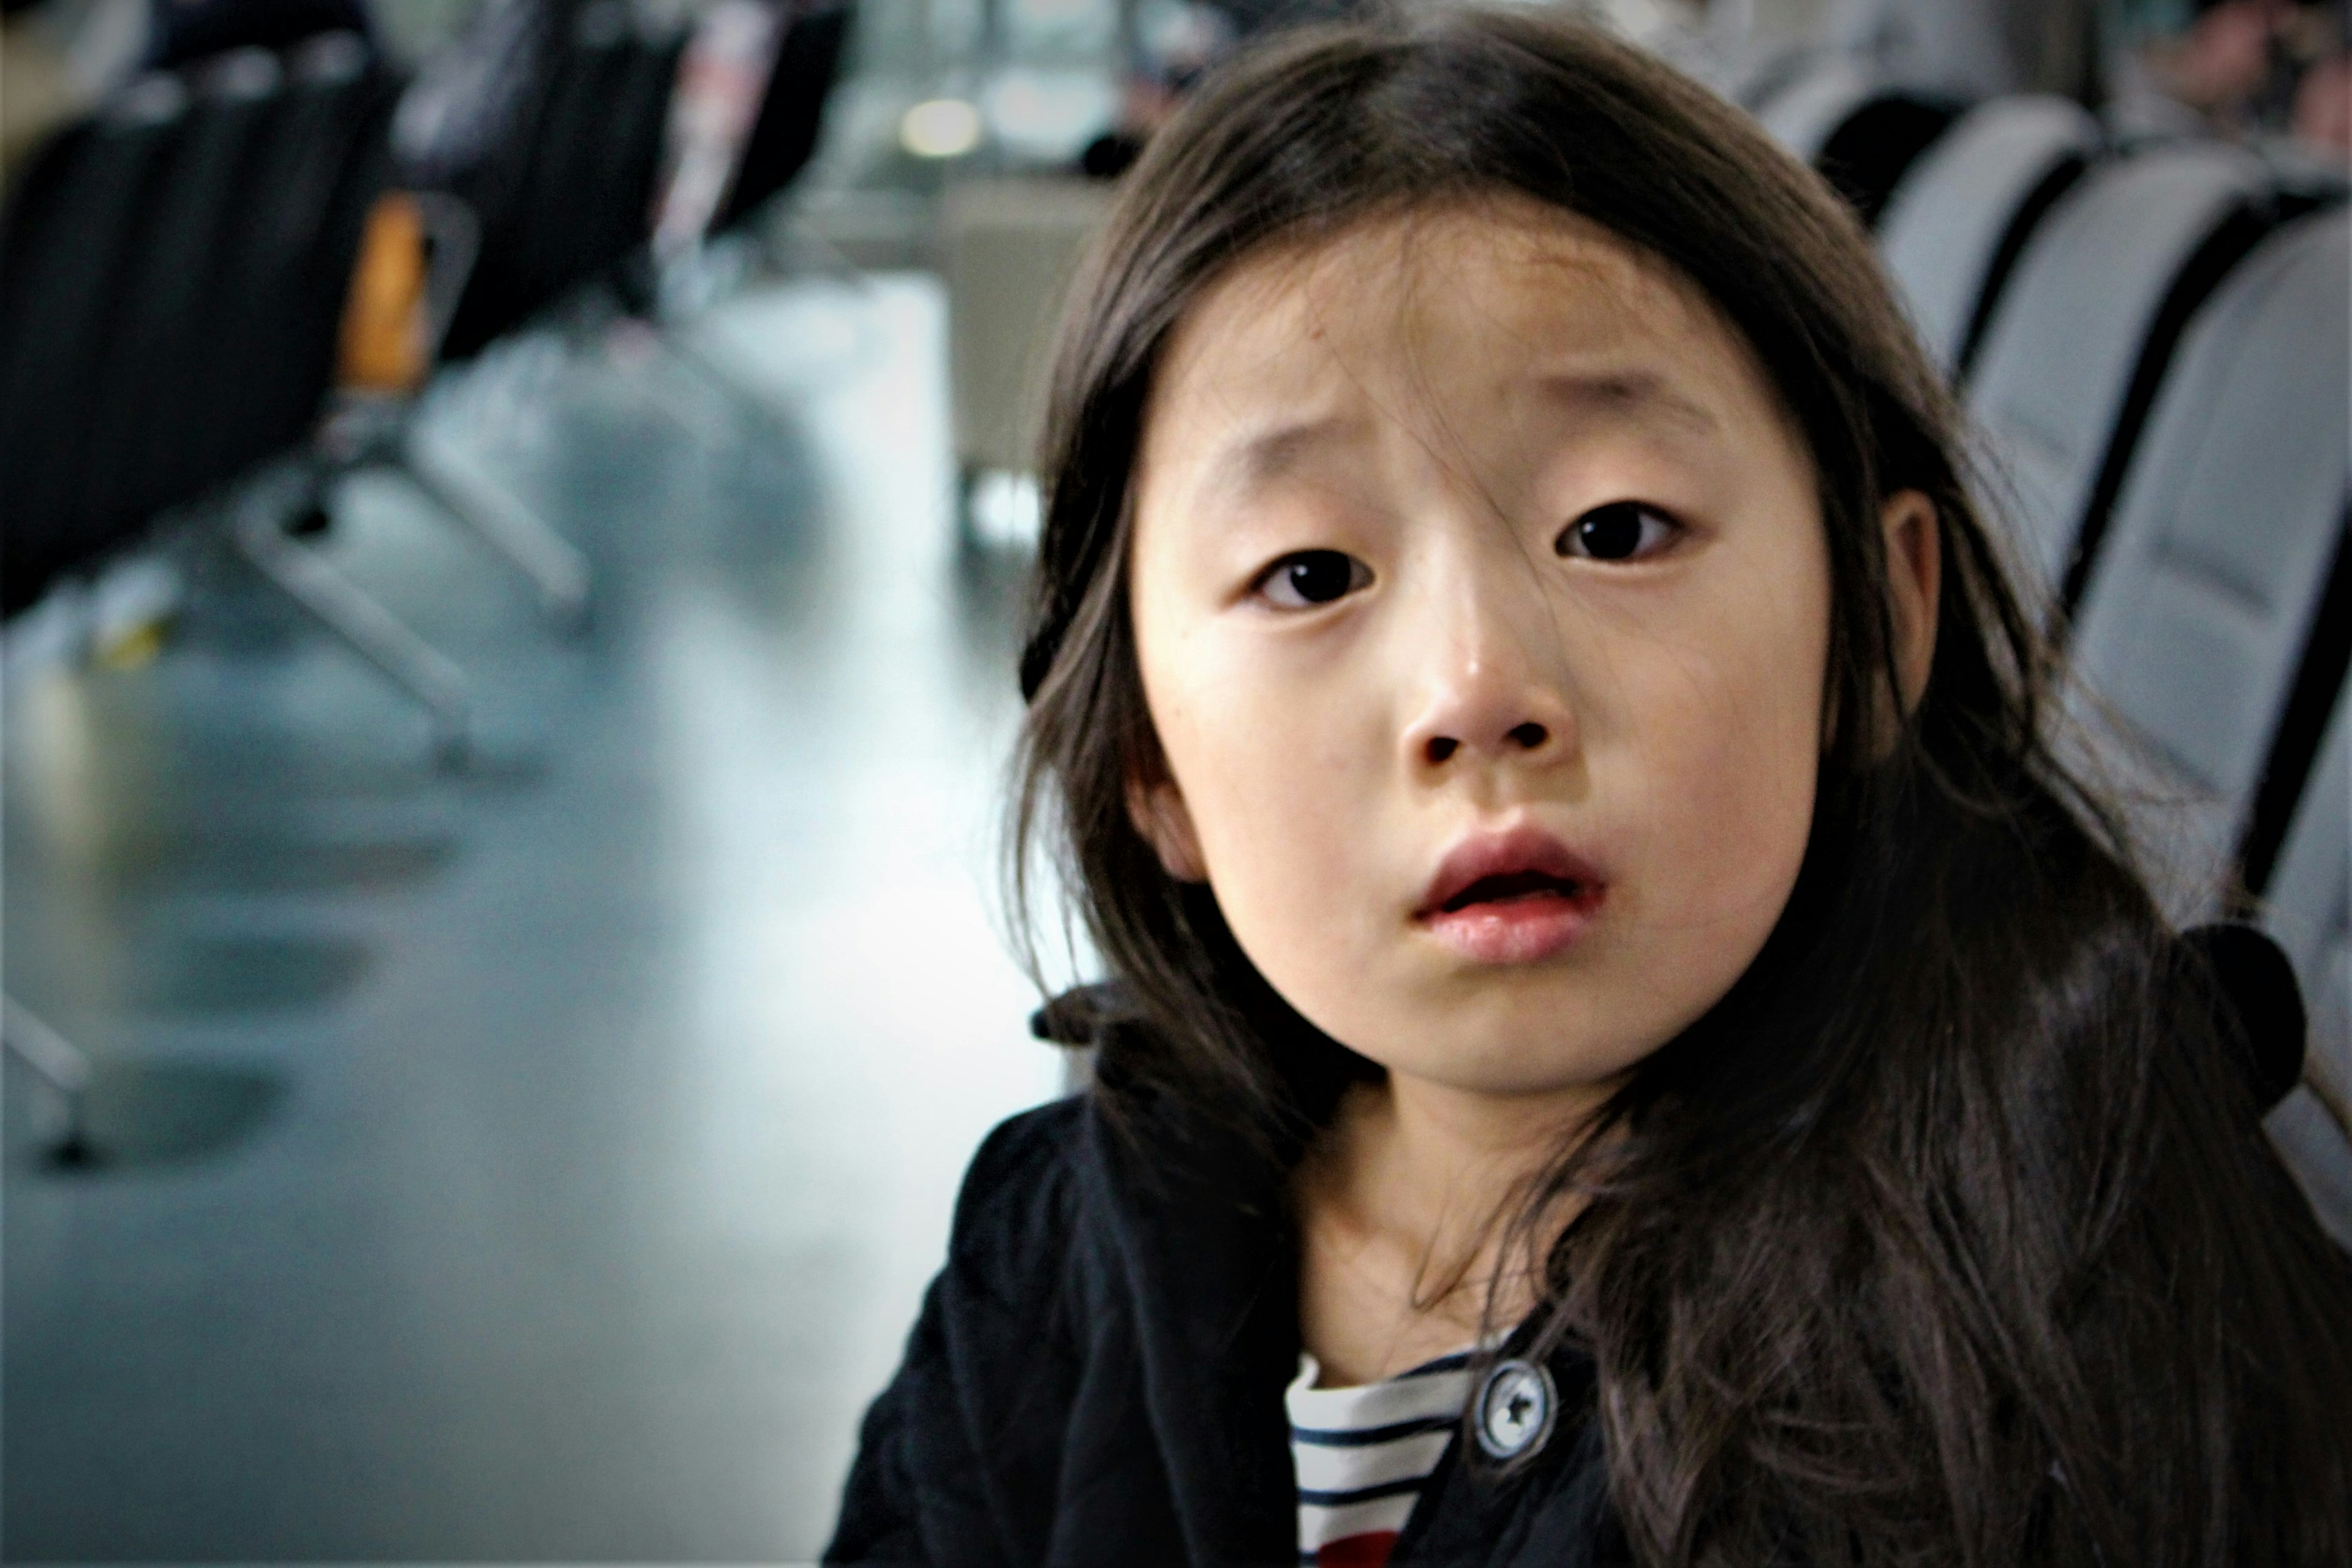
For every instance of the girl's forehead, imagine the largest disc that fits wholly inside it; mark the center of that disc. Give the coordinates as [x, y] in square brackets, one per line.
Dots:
[1488, 293]
[1424, 314]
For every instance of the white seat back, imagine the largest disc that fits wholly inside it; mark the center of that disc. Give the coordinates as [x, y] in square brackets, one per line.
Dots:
[2194, 624]
[1954, 212]
[2050, 383]
[1803, 113]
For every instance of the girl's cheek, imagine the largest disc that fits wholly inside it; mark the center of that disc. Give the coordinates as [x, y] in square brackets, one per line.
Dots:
[1294, 765]
[1728, 764]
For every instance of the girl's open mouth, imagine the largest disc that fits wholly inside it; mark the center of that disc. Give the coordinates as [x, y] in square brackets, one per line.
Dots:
[1511, 897]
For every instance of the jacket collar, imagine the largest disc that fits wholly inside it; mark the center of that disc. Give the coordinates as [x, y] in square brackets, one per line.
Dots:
[1197, 1219]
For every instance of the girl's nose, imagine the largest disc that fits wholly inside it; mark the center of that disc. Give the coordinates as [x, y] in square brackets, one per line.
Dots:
[1490, 709]
[1482, 654]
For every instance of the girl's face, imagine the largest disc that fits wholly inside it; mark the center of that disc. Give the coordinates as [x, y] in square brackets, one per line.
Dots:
[1482, 602]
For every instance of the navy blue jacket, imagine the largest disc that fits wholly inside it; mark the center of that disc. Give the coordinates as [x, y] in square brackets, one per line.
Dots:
[1098, 1376]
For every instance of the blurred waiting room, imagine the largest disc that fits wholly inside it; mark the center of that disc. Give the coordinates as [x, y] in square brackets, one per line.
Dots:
[515, 518]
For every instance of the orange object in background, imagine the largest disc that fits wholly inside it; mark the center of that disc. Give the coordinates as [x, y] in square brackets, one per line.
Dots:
[384, 346]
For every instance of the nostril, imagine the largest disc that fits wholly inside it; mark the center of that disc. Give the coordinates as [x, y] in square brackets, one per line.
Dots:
[1529, 735]
[1441, 747]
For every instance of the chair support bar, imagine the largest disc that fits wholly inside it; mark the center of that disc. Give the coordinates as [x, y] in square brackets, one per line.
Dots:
[457, 484]
[55, 1061]
[371, 630]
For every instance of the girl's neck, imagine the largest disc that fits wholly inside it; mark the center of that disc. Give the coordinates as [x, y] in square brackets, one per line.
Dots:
[1402, 1204]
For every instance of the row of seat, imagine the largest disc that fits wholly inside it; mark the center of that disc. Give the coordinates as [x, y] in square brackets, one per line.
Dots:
[2150, 339]
[175, 274]
[589, 156]
[171, 275]
[588, 162]
[174, 270]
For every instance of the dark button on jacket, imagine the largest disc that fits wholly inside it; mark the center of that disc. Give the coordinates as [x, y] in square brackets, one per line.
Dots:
[1098, 1375]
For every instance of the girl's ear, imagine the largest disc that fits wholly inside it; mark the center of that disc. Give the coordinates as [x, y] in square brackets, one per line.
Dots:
[1160, 813]
[1915, 575]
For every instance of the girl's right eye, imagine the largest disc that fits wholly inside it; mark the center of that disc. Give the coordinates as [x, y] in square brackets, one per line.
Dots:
[1313, 577]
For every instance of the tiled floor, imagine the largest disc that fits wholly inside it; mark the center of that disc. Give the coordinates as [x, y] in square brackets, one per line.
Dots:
[543, 1162]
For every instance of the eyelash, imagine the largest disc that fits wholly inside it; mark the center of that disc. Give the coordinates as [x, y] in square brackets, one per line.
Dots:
[1278, 579]
[1653, 531]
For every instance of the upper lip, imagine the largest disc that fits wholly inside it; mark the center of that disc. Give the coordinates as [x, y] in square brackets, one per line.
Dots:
[1520, 850]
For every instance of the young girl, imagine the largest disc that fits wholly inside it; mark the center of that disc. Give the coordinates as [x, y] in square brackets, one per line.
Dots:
[1626, 1045]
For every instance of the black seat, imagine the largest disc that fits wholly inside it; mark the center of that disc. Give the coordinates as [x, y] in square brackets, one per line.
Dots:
[140, 447]
[170, 286]
[262, 378]
[573, 141]
[188, 32]
[792, 111]
[583, 188]
[300, 266]
[67, 245]
[506, 178]
[604, 160]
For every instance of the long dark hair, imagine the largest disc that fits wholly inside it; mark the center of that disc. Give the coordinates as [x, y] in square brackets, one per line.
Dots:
[1947, 1236]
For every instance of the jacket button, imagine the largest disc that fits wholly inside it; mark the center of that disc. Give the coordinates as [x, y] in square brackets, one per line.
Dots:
[1515, 1409]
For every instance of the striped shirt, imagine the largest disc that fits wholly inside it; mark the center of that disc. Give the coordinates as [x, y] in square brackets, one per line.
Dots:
[1363, 1454]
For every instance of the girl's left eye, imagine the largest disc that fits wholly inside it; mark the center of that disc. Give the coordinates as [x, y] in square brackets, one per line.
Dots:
[1313, 577]
[1621, 531]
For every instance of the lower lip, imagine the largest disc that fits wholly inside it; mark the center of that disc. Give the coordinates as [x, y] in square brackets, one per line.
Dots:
[1517, 931]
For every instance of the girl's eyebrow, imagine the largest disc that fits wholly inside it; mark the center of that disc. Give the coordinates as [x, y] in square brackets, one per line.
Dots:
[1628, 393]
[1266, 456]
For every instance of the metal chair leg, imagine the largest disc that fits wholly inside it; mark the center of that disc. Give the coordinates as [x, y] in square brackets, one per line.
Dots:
[369, 630]
[457, 483]
[57, 1063]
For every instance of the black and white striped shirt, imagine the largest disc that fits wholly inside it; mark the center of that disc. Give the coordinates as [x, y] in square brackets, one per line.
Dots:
[1363, 1454]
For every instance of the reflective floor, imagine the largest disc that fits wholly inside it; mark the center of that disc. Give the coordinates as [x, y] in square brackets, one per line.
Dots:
[546, 1162]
